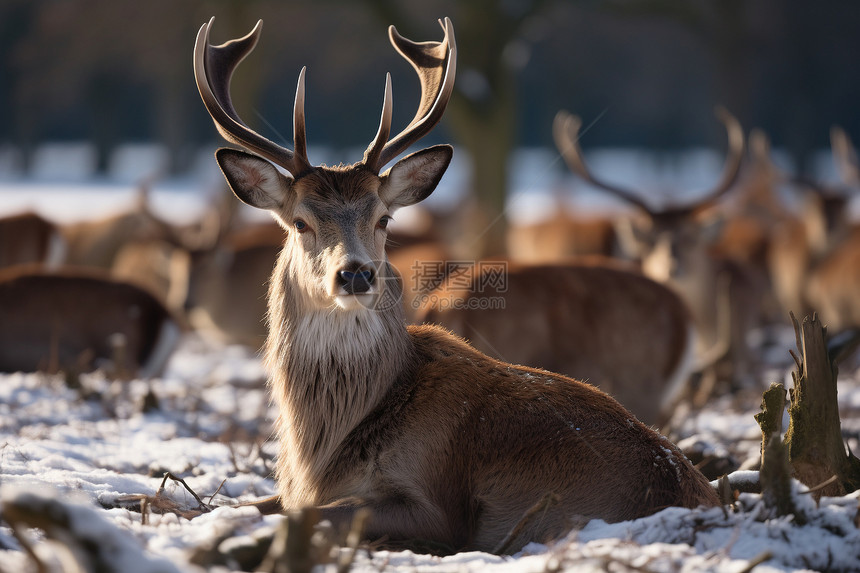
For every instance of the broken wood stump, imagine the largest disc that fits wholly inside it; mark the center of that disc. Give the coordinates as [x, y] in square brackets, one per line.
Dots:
[817, 453]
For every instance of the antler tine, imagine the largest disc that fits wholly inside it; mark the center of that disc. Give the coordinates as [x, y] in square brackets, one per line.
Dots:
[732, 166]
[845, 156]
[300, 145]
[372, 155]
[213, 69]
[565, 131]
[436, 65]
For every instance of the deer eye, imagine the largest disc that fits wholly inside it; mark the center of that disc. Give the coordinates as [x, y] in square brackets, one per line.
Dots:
[383, 222]
[300, 226]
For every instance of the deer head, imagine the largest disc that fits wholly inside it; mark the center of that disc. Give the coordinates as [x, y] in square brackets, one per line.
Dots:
[829, 202]
[670, 230]
[335, 217]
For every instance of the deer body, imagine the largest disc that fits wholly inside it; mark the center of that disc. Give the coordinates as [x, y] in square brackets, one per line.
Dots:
[438, 441]
[562, 236]
[96, 243]
[455, 447]
[588, 319]
[228, 283]
[833, 287]
[70, 318]
[813, 256]
[833, 278]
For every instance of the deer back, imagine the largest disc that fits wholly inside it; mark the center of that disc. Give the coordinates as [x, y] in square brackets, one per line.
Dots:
[560, 237]
[228, 284]
[622, 332]
[75, 319]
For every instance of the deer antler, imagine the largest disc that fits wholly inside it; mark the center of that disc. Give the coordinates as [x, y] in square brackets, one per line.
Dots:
[566, 135]
[213, 68]
[436, 65]
[734, 159]
[565, 131]
[845, 156]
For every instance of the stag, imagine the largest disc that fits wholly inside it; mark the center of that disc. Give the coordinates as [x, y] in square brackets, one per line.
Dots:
[438, 441]
[833, 261]
[675, 247]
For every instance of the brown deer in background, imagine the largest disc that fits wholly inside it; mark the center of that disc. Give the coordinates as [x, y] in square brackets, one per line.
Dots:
[562, 236]
[79, 319]
[96, 243]
[228, 283]
[438, 441]
[591, 319]
[29, 238]
[811, 251]
[157, 265]
[675, 246]
[832, 287]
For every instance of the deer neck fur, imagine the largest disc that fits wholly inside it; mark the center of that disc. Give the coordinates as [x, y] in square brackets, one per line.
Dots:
[329, 368]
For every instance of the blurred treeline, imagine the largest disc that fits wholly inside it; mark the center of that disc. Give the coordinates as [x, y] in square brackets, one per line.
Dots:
[651, 72]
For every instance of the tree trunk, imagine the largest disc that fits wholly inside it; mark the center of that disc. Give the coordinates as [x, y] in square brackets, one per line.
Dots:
[488, 135]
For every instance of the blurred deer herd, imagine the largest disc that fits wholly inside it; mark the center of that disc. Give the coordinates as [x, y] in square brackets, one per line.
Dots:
[638, 303]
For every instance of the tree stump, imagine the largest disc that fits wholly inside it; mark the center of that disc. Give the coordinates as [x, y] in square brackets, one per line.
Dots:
[816, 449]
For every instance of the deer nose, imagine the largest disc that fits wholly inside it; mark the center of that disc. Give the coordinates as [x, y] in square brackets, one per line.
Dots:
[355, 281]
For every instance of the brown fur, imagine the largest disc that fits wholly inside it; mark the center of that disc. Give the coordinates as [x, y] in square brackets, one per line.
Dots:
[613, 328]
[26, 238]
[479, 442]
[417, 265]
[833, 287]
[228, 283]
[813, 256]
[65, 319]
[96, 243]
[562, 236]
[706, 280]
[158, 266]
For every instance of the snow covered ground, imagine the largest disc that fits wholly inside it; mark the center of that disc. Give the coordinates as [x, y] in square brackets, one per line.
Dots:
[86, 456]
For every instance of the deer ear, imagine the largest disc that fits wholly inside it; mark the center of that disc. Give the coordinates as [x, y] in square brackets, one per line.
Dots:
[414, 177]
[253, 180]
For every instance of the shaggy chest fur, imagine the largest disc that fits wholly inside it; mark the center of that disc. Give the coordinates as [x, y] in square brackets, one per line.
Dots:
[329, 369]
